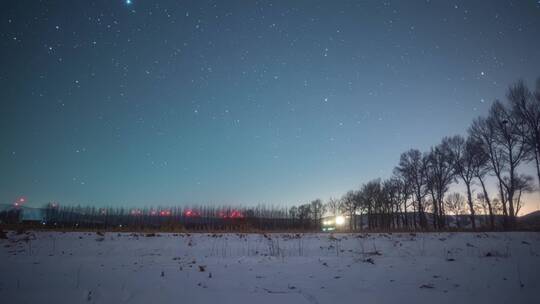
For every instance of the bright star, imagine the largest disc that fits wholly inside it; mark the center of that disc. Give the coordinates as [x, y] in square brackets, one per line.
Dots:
[128, 2]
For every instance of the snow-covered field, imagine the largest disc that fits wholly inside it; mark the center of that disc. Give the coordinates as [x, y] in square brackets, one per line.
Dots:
[53, 267]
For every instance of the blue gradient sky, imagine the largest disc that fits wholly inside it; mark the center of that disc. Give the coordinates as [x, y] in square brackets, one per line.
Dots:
[276, 102]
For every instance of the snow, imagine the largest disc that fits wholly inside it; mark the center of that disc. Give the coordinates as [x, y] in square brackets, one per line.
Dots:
[54, 267]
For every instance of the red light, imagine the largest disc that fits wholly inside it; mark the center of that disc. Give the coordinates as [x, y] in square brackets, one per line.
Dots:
[191, 213]
[231, 214]
[236, 214]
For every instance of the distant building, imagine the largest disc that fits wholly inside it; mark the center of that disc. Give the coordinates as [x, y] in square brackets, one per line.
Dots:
[32, 216]
[12, 215]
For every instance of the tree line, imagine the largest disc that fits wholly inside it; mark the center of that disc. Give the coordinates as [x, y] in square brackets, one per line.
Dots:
[178, 218]
[416, 195]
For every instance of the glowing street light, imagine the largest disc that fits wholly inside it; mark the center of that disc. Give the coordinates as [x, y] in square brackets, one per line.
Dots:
[340, 220]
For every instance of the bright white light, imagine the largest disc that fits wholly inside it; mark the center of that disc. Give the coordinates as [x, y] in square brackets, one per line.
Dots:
[128, 2]
[340, 220]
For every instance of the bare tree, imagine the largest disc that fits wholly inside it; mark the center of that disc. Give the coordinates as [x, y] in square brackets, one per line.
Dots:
[317, 210]
[304, 212]
[367, 203]
[412, 166]
[465, 154]
[509, 139]
[398, 193]
[524, 184]
[372, 199]
[348, 206]
[293, 212]
[439, 175]
[484, 207]
[455, 204]
[332, 206]
[481, 170]
[497, 206]
[483, 131]
[526, 109]
[501, 136]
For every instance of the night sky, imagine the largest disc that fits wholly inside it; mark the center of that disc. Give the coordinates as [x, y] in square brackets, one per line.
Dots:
[148, 102]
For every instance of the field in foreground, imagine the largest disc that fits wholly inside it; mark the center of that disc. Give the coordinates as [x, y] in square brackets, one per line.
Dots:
[53, 267]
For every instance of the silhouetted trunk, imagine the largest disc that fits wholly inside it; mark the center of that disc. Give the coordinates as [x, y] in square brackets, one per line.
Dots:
[369, 217]
[537, 161]
[503, 201]
[471, 206]
[488, 202]
[435, 210]
[510, 191]
[405, 220]
[414, 216]
[442, 213]
[421, 215]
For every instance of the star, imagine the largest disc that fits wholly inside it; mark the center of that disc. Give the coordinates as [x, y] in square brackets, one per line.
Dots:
[128, 2]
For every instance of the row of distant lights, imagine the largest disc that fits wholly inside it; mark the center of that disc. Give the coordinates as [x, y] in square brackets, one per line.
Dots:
[22, 200]
[188, 213]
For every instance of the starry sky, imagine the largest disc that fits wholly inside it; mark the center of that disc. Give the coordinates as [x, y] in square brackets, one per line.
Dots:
[147, 102]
